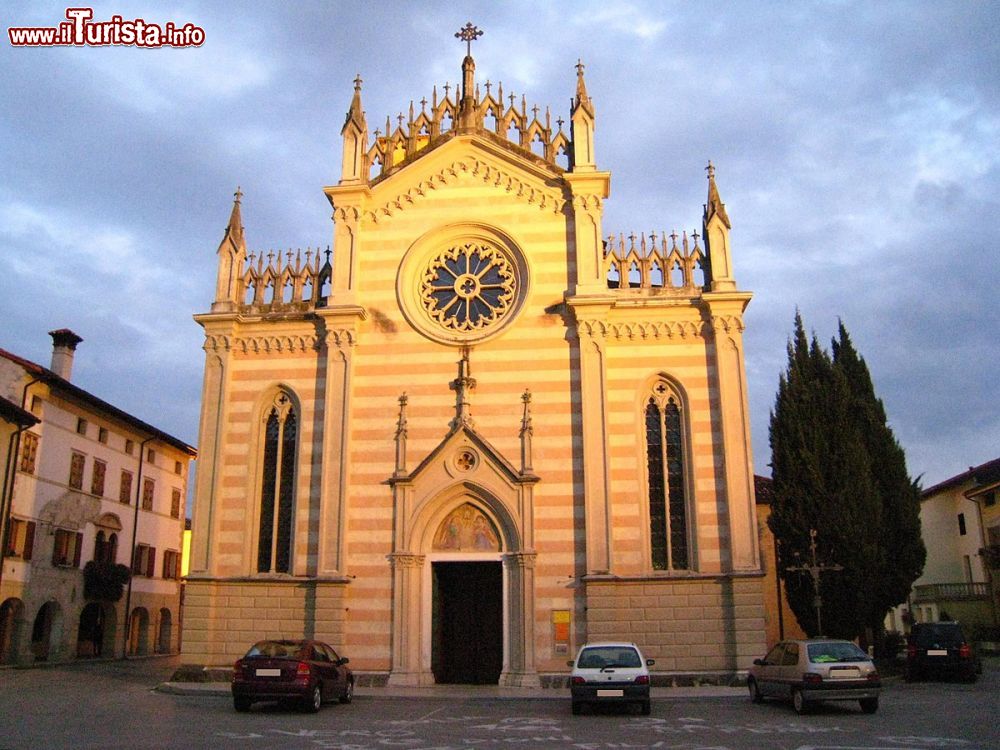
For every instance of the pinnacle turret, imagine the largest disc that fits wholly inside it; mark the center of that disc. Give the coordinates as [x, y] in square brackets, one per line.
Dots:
[232, 253]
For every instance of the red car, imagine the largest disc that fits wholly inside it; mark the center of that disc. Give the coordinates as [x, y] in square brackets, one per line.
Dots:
[308, 672]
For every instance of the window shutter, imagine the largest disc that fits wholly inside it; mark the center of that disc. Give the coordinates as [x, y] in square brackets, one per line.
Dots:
[55, 549]
[79, 548]
[177, 566]
[29, 541]
[151, 563]
[136, 557]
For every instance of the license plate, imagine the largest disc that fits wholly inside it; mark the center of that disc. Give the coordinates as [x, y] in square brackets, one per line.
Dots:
[269, 673]
[610, 693]
[845, 673]
[937, 652]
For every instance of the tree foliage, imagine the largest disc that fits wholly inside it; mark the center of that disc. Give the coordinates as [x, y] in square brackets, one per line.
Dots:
[838, 469]
[104, 581]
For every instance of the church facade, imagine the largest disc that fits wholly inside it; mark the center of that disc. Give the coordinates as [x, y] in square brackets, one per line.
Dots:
[482, 433]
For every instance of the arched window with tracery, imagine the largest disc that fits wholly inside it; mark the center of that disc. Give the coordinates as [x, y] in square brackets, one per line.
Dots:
[277, 487]
[666, 473]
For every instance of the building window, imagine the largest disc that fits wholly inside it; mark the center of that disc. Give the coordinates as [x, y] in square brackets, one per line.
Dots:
[148, 488]
[106, 547]
[990, 499]
[961, 524]
[274, 542]
[97, 478]
[144, 562]
[151, 456]
[81, 426]
[171, 564]
[125, 488]
[29, 451]
[666, 475]
[66, 550]
[76, 463]
[129, 447]
[178, 468]
[175, 503]
[36, 404]
[20, 539]
[102, 435]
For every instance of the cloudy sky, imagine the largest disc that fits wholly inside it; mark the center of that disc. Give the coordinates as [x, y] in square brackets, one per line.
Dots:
[857, 146]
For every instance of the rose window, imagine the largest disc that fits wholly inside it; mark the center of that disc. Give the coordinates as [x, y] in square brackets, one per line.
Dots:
[468, 287]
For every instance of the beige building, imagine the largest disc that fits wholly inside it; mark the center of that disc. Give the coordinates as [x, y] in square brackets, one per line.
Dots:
[87, 486]
[958, 518]
[483, 432]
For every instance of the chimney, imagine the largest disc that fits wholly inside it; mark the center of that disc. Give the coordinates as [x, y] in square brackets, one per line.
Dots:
[64, 343]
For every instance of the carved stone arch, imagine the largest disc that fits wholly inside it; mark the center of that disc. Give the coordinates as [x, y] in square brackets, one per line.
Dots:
[429, 516]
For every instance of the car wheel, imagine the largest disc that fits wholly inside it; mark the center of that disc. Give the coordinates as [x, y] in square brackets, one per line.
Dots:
[241, 703]
[800, 704]
[314, 700]
[869, 705]
[577, 708]
[647, 708]
[348, 695]
[754, 688]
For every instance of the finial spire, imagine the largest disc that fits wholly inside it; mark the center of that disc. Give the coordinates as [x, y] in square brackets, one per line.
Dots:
[234, 229]
[714, 206]
[467, 103]
[462, 385]
[582, 98]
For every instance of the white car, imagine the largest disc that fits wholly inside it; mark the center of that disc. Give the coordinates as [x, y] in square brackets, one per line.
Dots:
[610, 673]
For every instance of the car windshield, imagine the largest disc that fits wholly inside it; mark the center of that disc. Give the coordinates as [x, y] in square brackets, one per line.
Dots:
[599, 657]
[820, 653]
[277, 650]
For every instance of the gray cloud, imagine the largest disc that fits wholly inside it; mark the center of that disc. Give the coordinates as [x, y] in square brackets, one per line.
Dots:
[857, 144]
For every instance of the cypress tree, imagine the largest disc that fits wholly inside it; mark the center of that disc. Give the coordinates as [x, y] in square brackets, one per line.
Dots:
[823, 481]
[901, 548]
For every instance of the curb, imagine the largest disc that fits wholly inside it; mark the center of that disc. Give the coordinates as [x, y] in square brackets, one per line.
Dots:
[465, 692]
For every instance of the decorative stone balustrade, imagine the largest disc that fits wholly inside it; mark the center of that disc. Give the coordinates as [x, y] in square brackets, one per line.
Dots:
[632, 262]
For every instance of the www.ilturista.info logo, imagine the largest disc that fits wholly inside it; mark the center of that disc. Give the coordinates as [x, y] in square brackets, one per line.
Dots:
[79, 31]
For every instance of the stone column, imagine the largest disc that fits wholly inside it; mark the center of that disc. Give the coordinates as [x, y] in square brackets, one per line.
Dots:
[593, 408]
[519, 669]
[407, 573]
[730, 376]
[211, 446]
[335, 446]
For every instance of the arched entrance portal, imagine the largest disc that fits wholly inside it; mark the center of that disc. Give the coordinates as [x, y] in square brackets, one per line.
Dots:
[46, 631]
[138, 632]
[11, 625]
[467, 622]
[96, 634]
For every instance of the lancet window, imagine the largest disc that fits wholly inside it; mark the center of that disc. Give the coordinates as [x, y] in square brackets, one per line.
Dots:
[277, 487]
[666, 472]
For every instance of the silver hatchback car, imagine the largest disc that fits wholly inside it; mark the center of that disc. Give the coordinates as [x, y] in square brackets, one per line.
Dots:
[807, 671]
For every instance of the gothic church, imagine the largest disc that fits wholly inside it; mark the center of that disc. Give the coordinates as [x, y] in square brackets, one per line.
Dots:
[482, 432]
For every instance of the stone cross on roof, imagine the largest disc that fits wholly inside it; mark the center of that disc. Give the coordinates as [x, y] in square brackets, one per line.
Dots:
[468, 34]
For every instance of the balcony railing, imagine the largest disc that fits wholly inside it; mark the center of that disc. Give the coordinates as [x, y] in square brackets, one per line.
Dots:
[950, 592]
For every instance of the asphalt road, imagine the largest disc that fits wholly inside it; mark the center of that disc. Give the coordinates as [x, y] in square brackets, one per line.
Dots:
[114, 705]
